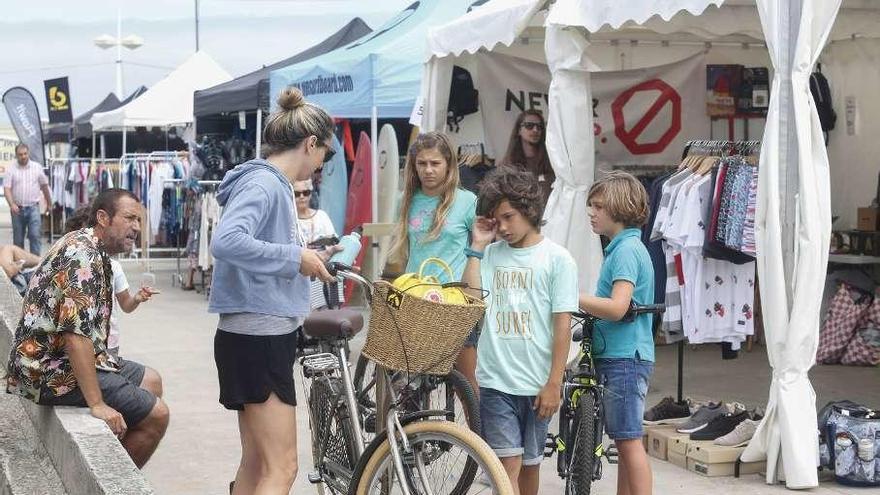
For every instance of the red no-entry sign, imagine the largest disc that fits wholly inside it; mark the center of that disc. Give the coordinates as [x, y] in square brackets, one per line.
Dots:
[629, 137]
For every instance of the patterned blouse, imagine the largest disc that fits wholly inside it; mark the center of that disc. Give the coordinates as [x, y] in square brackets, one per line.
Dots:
[71, 291]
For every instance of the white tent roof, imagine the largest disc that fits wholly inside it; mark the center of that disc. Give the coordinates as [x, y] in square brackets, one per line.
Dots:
[503, 21]
[169, 101]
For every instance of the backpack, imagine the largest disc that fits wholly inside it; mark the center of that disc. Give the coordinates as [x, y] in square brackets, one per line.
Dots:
[463, 98]
[822, 97]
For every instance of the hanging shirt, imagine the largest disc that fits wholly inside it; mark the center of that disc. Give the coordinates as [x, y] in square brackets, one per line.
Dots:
[162, 171]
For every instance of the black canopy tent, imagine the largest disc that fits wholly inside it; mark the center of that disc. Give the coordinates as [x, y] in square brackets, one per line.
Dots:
[251, 91]
[82, 129]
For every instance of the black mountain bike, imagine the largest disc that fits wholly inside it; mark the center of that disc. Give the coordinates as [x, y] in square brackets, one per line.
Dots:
[579, 446]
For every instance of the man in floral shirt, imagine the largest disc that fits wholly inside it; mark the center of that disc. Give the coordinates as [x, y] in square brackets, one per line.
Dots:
[59, 356]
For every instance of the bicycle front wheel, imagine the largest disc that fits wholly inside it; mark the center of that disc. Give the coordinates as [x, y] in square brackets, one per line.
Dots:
[440, 451]
[583, 457]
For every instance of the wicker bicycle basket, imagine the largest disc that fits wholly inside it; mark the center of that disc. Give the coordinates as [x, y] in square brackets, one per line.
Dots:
[413, 334]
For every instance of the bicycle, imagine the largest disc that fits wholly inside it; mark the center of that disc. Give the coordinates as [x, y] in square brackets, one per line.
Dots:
[579, 445]
[424, 454]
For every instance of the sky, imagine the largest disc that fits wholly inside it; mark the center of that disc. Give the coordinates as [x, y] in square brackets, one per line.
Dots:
[45, 39]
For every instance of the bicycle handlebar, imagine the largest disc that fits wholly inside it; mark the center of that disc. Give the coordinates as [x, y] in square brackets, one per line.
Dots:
[633, 311]
[347, 272]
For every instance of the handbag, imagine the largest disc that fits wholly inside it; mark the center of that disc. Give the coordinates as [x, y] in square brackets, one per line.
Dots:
[429, 287]
[844, 314]
[853, 436]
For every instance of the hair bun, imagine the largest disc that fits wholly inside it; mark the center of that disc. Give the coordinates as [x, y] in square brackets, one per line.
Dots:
[291, 98]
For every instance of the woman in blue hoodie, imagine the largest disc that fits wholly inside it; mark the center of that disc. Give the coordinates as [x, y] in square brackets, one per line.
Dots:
[261, 290]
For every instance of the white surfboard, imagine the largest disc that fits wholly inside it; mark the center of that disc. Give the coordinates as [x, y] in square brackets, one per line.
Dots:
[389, 177]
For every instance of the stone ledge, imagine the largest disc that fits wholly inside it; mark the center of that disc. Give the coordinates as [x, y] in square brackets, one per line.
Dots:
[86, 455]
[25, 467]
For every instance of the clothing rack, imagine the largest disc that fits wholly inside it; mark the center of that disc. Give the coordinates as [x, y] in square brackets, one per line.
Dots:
[720, 148]
[61, 162]
[177, 278]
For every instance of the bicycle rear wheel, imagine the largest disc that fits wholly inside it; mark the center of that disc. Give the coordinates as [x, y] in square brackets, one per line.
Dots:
[375, 474]
[582, 456]
[332, 436]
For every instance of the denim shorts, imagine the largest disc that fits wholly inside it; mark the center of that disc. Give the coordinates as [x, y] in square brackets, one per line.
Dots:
[511, 427]
[626, 385]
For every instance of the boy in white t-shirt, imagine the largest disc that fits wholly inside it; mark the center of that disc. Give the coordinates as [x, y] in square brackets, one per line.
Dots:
[524, 343]
[124, 299]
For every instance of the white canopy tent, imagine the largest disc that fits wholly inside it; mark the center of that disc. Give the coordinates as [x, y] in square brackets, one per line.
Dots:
[168, 102]
[794, 206]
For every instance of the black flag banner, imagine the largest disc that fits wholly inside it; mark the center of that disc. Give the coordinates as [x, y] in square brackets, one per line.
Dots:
[58, 100]
[25, 118]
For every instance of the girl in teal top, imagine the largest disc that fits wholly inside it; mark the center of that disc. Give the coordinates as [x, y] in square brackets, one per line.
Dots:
[435, 220]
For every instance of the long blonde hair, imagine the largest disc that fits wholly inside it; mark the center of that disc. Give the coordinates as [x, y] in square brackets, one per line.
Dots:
[399, 253]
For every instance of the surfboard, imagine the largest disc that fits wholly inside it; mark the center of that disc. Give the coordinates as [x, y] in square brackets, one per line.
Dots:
[389, 175]
[334, 188]
[359, 209]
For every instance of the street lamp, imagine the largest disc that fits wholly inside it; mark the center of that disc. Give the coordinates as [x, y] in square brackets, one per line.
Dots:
[131, 42]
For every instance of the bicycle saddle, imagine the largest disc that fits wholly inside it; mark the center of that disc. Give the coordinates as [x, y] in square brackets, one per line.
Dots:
[333, 324]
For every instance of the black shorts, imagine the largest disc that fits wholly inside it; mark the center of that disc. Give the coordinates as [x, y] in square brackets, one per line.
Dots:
[121, 391]
[249, 367]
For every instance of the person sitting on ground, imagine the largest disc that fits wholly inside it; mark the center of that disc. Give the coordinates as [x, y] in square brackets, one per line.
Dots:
[59, 354]
[524, 344]
[123, 299]
[623, 351]
[14, 261]
[527, 150]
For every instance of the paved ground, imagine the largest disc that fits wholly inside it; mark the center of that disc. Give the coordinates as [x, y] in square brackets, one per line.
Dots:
[174, 334]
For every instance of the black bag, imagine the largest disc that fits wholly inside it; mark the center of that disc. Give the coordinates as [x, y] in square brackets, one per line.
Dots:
[822, 97]
[463, 98]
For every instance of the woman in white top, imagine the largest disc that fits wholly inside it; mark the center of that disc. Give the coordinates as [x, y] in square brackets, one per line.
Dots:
[314, 225]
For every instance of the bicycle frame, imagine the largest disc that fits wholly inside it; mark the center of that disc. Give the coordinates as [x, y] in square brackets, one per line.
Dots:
[394, 423]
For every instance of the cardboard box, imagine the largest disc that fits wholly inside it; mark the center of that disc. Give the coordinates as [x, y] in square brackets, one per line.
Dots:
[868, 219]
[659, 438]
[680, 443]
[677, 459]
[708, 459]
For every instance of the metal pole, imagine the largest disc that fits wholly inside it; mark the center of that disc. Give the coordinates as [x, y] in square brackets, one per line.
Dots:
[259, 132]
[119, 52]
[94, 151]
[374, 181]
[124, 141]
[197, 25]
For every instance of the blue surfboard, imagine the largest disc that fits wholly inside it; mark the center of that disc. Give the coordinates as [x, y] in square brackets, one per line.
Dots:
[334, 188]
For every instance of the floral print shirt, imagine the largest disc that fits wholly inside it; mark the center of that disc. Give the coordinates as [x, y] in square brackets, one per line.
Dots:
[71, 291]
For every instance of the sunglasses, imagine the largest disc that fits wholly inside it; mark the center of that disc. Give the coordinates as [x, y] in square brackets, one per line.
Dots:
[533, 125]
[330, 152]
[302, 194]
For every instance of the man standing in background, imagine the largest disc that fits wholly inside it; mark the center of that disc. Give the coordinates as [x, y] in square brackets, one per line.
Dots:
[22, 185]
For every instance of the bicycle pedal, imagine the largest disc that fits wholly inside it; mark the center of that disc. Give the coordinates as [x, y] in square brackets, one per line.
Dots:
[319, 364]
[315, 478]
[370, 423]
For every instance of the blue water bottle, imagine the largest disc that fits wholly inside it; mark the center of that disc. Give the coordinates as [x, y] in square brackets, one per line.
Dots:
[351, 245]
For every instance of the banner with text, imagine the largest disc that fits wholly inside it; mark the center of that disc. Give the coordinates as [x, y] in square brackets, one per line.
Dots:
[640, 116]
[58, 100]
[25, 118]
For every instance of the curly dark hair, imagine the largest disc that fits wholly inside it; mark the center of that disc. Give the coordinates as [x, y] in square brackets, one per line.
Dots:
[516, 185]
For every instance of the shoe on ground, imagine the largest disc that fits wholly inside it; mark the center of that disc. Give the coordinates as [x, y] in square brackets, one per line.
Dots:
[740, 436]
[720, 426]
[702, 417]
[667, 411]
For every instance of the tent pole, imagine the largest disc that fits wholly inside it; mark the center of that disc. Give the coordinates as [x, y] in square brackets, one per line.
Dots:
[94, 151]
[259, 143]
[374, 181]
[124, 140]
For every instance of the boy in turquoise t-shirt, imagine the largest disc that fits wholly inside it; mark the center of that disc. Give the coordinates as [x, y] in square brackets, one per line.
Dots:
[532, 290]
[623, 351]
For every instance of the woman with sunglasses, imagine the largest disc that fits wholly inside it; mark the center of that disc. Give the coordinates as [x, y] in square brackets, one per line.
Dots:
[528, 150]
[315, 225]
[261, 289]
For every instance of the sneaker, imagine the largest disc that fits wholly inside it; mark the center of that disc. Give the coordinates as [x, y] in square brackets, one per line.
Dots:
[720, 426]
[701, 418]
[740, 436]
[666, 411]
